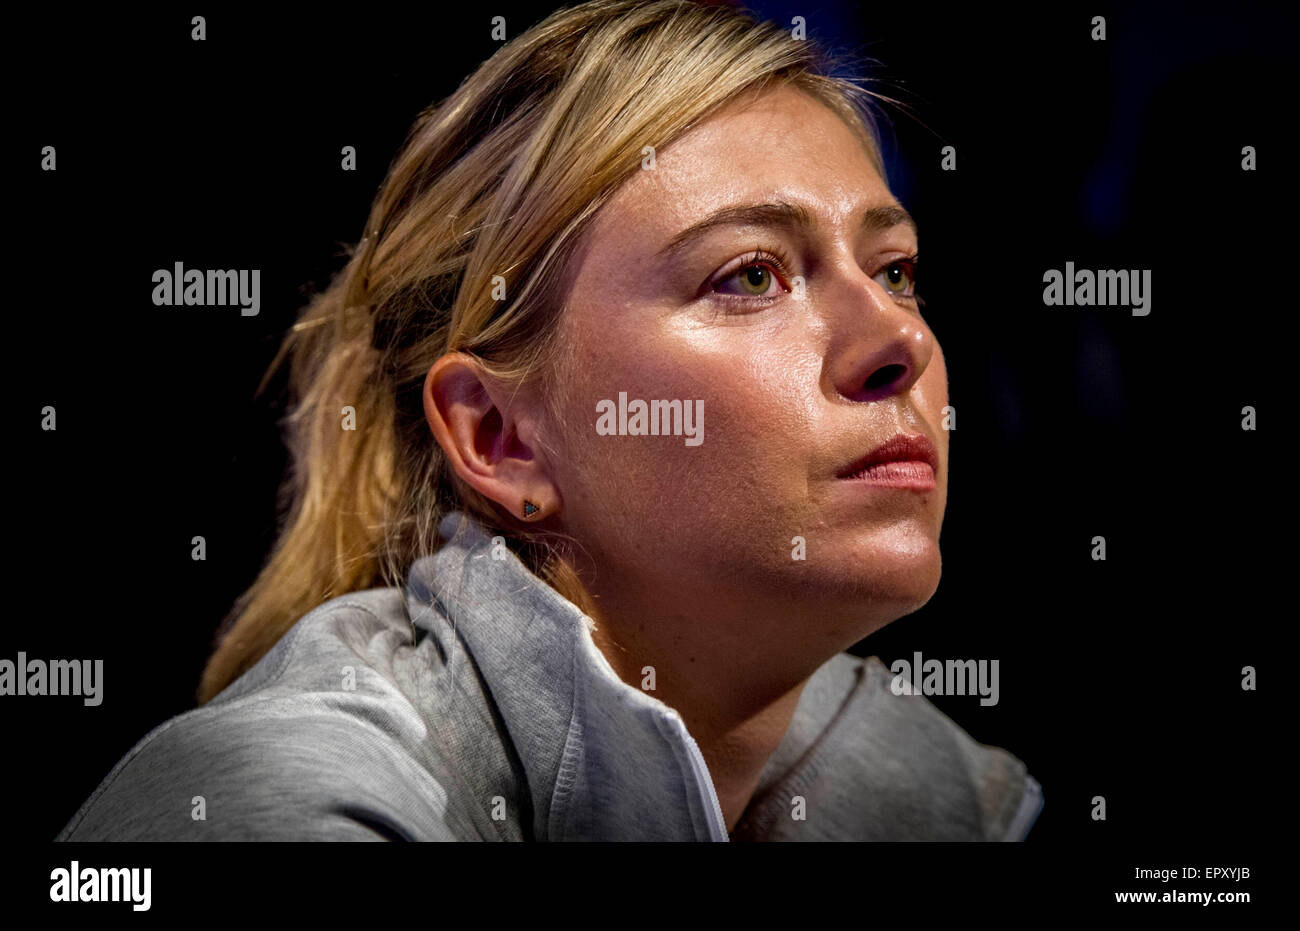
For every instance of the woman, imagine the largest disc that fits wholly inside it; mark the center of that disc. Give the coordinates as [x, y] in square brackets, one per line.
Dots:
[523, 593]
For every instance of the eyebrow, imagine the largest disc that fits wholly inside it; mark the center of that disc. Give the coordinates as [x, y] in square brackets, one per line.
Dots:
[782, 215]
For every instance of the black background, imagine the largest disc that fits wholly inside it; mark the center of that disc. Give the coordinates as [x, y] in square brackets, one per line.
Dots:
[1118, 678]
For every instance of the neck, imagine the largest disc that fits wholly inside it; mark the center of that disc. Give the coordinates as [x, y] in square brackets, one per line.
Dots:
[736, 699]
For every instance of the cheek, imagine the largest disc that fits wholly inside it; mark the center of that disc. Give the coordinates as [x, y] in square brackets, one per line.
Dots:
[750, 464]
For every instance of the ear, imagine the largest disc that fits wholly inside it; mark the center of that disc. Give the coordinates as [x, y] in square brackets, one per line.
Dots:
[491, 445]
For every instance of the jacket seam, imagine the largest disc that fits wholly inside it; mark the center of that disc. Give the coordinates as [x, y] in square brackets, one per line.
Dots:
[490, 726]
[568, 768]
[1025, 816]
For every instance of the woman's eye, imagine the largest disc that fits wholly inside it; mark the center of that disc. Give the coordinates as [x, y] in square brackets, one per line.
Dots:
[898, 277]
[758, 278]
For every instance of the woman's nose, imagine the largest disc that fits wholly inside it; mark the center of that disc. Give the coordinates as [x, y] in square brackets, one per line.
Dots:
[880, 345]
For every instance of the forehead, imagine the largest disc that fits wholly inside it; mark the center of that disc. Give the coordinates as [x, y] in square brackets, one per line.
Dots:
[784, 144]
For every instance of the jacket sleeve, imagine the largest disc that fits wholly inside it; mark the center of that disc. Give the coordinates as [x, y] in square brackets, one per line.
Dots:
[1031, 804]
[274, 771]
[1009, 798]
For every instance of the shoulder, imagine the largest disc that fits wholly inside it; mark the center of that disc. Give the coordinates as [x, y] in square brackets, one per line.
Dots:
[316, 742]
[873, 764]
[960, 774]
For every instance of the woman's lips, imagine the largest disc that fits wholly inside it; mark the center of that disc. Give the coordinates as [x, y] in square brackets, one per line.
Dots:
[914, 475]
[903, 461]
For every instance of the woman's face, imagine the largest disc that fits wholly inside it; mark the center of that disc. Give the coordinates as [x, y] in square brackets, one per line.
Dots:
[796, 387]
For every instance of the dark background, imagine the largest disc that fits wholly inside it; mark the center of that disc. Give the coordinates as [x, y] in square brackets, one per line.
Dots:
[1118, 678]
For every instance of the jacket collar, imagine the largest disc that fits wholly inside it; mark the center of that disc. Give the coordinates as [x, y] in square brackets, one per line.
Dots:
[603, 760]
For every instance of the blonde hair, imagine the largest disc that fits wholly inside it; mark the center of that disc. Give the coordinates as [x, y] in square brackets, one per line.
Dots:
[501, 178]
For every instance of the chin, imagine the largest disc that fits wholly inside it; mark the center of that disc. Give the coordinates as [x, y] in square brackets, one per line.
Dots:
[898, 579]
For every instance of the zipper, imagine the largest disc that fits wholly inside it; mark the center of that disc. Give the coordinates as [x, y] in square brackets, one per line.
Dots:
[713, 808]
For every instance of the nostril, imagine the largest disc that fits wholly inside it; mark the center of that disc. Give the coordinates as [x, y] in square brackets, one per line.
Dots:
[885, 375]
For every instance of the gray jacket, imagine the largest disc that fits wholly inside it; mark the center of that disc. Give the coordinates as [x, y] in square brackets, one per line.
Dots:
[474, 705]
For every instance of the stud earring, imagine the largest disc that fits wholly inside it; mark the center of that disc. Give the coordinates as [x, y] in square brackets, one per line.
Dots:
[529, 508]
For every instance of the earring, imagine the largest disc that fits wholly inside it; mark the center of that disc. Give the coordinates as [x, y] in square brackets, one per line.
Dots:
[529, 508]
